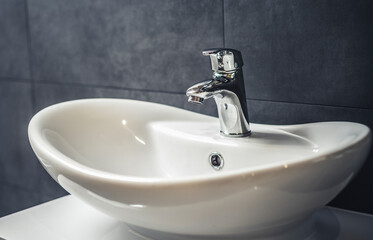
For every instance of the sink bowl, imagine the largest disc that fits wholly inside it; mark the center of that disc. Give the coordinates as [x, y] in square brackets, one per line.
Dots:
[149, 165]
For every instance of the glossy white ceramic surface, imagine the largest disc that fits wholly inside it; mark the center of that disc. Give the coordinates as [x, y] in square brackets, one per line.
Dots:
[147, 164]
[67, 218]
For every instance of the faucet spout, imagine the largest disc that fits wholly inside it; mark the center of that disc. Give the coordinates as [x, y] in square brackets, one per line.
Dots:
[195, 99]
[200, 91]
[227, 89]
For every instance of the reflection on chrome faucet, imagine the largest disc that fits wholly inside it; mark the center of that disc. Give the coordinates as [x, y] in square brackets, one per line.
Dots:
[228, 90]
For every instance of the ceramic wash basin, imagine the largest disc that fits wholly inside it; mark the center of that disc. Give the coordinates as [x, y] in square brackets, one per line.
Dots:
[149, 165]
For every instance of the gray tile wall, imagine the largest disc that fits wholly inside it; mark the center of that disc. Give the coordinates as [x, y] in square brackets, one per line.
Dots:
[305, 61]
[14, 54]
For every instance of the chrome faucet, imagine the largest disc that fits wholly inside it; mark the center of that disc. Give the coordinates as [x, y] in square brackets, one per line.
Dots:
[228, 90]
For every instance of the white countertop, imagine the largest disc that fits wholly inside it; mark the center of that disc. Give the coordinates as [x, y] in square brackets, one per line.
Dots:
[68, 218]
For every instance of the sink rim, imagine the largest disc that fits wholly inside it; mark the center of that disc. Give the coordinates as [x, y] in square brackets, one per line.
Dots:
[71, 166]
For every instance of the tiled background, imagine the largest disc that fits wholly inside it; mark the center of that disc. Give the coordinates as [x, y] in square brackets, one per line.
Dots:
[305, 61]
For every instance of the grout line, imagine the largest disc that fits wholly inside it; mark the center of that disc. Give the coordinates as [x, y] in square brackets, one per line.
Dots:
[223, 10]
[33, 83]
[32, 87]
[310, 104]
[182, 93]
[32, 93]
[107, 87]
[12, 185]
[28, 36]
[10, 79]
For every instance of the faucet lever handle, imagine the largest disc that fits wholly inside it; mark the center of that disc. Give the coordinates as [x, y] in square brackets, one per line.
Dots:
[224, 59]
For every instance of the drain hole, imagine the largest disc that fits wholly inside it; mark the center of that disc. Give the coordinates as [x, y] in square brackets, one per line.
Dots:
[216, 160]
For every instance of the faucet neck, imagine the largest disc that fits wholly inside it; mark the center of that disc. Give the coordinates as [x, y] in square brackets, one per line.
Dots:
[233, 122]
[234, 82]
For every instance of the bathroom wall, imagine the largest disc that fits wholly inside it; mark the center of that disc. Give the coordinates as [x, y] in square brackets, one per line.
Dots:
[305, 61]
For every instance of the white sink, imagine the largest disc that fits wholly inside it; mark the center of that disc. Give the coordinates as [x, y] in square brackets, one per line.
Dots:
[148, 165]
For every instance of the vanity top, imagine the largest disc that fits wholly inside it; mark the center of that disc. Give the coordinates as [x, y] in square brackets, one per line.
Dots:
[68, 218]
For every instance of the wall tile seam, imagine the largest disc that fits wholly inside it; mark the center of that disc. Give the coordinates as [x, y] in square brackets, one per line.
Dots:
[30, 56]
[28, 38]
[223, 21]
[15, 186]
[104, 87]
[14, 80]
[309, 104]
[183, 93]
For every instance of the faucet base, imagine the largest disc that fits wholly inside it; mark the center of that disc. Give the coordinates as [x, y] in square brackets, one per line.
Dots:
[236, 135]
